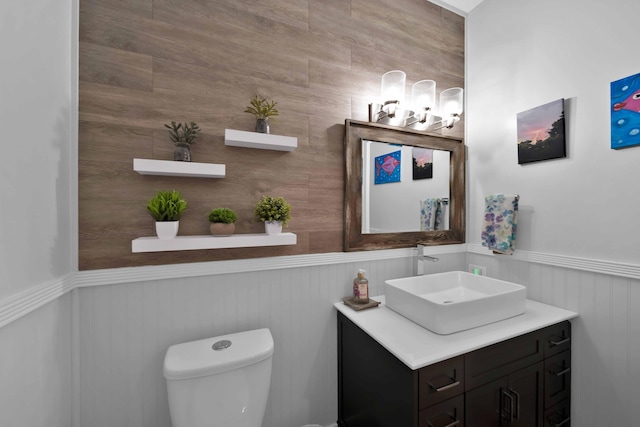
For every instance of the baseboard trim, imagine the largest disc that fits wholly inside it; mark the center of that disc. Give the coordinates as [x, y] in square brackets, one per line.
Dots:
[23, 303]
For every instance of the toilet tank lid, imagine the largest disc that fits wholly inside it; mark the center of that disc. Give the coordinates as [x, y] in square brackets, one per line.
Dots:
[198, 359]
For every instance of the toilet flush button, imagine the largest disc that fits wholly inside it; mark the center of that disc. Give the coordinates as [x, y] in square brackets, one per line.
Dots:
[221, 345]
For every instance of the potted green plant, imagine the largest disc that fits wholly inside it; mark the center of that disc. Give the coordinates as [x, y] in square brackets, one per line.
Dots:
[167, 207]
[222, 221]
[263, 110]
[183, 135]
[275, 212]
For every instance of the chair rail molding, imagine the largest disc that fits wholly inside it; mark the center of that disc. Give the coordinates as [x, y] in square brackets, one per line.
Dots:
[631, 271]
[24, 302]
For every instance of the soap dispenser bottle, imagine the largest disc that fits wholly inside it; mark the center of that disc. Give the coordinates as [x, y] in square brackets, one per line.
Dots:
[361, 288]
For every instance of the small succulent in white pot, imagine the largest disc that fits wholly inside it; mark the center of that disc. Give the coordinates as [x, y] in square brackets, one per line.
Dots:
[275, 212]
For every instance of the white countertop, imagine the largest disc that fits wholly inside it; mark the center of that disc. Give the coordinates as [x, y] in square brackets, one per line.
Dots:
[417, 347]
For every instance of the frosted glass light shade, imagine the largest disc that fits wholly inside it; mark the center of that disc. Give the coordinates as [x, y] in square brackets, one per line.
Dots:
[423, 95]
[393, 83]
[451, 102]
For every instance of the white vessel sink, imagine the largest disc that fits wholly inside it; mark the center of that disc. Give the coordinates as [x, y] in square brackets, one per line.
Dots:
[450, 302]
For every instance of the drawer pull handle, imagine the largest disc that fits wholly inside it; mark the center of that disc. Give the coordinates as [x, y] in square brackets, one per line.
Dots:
[561, 423]
[564, 341]
[445, 387]
[561, 373]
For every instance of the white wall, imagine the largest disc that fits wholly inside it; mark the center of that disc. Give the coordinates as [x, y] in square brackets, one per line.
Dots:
[35, 368]
[37, 165]
[37, 200]
[521, 54]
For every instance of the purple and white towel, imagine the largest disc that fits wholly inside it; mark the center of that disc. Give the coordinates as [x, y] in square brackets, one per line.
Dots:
[500, 223]
[431, 214]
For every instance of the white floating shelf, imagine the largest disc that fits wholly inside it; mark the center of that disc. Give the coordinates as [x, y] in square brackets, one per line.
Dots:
[187, 243]
[263, 141]
[176, 168]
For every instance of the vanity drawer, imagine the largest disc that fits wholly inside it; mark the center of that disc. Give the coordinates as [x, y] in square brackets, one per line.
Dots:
[441, 381]
[444, 414]
[557, 382]
[558, 415]
[556, 338]
[489, 363]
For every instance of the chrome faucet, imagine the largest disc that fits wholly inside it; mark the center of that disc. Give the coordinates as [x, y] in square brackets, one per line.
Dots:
[421, 257]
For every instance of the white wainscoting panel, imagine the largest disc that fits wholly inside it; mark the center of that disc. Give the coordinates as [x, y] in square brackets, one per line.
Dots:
[606, 335]
[125, 330]
[35, 368]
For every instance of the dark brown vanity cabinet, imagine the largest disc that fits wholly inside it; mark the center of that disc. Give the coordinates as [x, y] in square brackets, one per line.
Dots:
[522, 382]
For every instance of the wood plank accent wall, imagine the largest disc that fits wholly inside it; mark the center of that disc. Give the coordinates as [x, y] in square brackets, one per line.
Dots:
[144, 63]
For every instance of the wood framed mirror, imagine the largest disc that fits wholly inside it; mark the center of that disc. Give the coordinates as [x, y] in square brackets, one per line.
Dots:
[386, 215]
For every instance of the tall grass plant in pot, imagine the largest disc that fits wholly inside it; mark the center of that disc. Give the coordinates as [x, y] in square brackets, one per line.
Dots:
[167, 207]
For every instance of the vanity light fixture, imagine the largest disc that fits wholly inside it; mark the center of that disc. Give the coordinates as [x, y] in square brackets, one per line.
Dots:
[423, 100]
[392, 96]
[451, 106]
[421, 113]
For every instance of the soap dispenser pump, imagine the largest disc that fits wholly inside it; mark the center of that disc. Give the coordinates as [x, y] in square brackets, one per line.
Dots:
[361, 288]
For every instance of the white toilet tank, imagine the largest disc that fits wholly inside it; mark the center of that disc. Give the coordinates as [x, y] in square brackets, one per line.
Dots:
[221, 381]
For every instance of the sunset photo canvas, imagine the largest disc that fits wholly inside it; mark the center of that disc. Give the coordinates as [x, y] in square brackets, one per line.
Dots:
[541, 134]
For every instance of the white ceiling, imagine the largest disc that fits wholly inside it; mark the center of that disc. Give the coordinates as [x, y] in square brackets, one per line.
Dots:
[461, 7]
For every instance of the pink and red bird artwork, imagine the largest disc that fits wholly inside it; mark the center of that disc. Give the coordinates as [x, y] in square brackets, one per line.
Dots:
[387, 168]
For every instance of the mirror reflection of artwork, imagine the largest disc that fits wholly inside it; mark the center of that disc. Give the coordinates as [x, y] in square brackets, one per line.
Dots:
[387, 168]
[625, 112]
[395, 207]
[422, 163]
[541, 133]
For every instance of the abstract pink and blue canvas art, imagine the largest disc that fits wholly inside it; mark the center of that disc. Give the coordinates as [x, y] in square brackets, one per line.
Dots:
[388, 168]
[625, 112]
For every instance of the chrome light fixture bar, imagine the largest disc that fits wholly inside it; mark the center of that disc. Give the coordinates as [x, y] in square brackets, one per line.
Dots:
[420, 114]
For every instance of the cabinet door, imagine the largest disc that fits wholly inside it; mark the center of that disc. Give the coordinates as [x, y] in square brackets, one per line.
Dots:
[483, 405]
[526, 394]
[511, 401]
